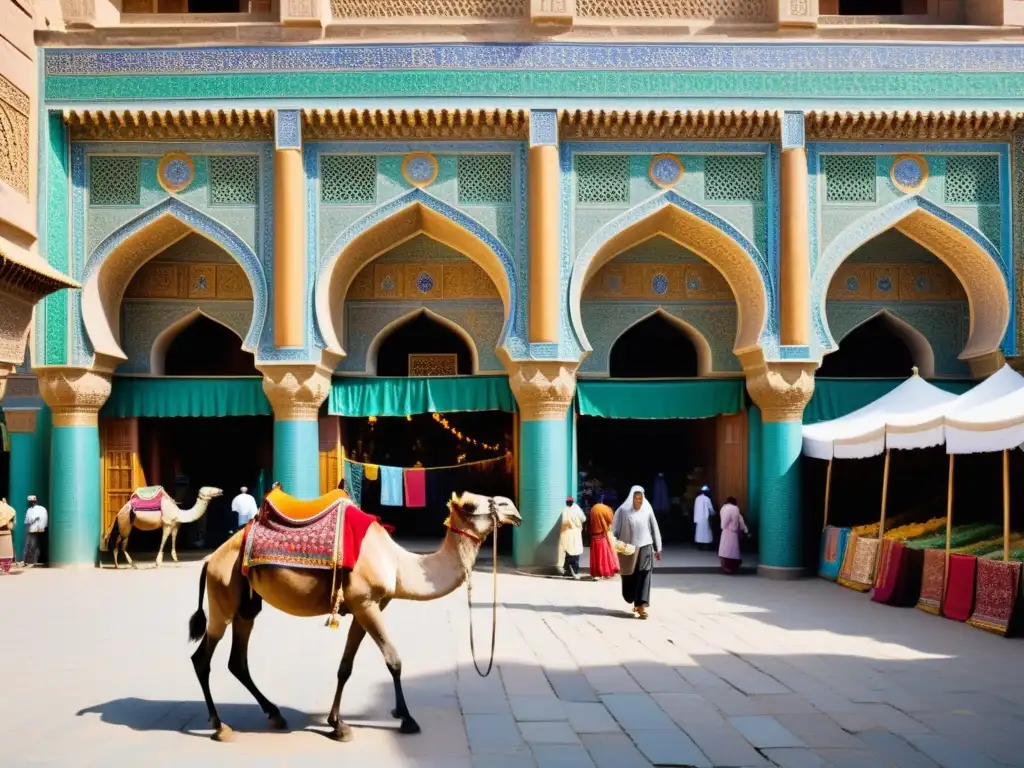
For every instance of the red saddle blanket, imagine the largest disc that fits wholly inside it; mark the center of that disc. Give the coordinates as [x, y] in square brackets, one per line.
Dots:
[318, 542]
[147, 499]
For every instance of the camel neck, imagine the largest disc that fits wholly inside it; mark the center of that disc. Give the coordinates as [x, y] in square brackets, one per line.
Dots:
[427, 577]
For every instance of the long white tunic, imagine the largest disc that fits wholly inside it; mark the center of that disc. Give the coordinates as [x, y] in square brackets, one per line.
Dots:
[702, 511]
[573, 520]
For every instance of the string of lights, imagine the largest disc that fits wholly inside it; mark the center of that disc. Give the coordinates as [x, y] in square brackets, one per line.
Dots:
[440, 419]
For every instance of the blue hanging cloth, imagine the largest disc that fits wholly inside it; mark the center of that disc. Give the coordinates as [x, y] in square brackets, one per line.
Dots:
[391, 493]
[354, 481]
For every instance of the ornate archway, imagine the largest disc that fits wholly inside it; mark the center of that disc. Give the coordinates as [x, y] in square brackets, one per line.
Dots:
[403, 218]
[374, 348]
[710, 236]
[695, 337]
[115, 261]
[917, 343]
[967, 252]
[164, 339]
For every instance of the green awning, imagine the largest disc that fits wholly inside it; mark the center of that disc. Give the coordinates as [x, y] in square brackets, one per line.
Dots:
[833, 398]
[186, 397]
[406, 396]
[684, 399]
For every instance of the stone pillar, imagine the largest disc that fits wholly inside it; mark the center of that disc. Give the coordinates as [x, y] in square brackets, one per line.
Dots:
[28, 465]
[289, 231]
[75, 396]
[781, 390]
[795, 256]
[544, 233]
[296, 392]
[544, 391]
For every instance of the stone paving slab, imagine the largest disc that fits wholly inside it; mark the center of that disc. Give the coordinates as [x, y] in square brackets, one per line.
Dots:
[726, 672]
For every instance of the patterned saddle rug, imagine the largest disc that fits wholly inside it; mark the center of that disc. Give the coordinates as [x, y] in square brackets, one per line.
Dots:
[321, 534]
[147, 499]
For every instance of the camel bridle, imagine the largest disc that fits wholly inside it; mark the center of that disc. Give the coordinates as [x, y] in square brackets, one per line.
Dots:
[492, 512]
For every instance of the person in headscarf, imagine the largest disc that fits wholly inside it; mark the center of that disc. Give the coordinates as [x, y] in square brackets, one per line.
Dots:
[636, 524]
[729, 556]
[703, 509]
[8, 519]
[571, 540]
[603, 561]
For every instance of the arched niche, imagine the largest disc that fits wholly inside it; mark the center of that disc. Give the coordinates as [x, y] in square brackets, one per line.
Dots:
[412, 214]
[215, 348]
[708, 235]
[388, 332]
[116, 260]
[873, 350]
[686, 353]
[966, 251]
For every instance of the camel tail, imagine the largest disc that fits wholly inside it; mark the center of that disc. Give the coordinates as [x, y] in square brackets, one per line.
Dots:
[197, 624]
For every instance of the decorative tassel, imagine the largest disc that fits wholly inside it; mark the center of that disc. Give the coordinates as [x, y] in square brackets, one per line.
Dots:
[332, 621]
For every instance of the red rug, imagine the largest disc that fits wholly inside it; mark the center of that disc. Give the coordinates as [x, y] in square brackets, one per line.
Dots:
[995, 595]
[959, 599]
[933, 571]
[888, 571]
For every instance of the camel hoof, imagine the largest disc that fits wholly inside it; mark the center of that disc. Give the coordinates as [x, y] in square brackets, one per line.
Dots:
[278, 723]
[395, 714]
[342, 732]
[409, 726]
[333, 720]
[223, 733]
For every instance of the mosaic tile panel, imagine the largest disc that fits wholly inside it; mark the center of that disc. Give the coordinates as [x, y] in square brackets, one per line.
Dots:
[972, 179]
[737, 178]
[849, 178]
[234, 180]
[114, 181]
[348, 179]
[602, 179]
[671, 281]
[485, 179]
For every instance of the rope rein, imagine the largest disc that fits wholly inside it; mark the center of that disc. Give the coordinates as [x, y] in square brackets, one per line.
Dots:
[494, 601]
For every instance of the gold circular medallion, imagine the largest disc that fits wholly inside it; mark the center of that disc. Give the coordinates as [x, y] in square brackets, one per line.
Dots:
[175, 171]
[420, 169]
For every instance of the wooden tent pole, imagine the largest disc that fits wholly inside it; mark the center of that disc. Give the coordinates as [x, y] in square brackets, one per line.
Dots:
[1006, 506]
[949, 522]
[881, 523]
[828, 493]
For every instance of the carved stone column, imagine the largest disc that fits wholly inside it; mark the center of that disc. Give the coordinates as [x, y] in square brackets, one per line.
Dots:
[296, 392]
[544, 392]
[781, 391]
[75, 396]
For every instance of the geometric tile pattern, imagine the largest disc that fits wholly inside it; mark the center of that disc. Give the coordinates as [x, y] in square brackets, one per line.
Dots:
[895, 282]
[972, 179]
[849, 178]
[348, 179]
[734, 178]
[113, 180]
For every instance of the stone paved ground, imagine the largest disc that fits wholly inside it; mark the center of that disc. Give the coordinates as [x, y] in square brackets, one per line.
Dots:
[728, 672]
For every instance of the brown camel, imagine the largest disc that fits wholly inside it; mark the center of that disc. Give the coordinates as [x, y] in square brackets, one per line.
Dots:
[169, 518]
[383, 572]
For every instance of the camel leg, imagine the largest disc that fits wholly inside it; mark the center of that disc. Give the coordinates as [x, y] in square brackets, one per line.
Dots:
[174, 543]
[163, 541]
[356, 633]
[370, 617]
[124, 549]
[238, 664]
[201, 663]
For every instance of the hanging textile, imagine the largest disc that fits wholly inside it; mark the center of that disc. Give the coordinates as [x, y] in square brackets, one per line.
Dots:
[185, 398]
[372, 471]
[354, 481]
[683, 399]
[415, 488]
[833, 398]
[391, 486]
[408, 396]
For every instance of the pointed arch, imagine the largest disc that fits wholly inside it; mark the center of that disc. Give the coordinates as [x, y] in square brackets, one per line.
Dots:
[694, 227]
[164, 339]
[967, 252]
[115, 261]
[921, 351]
[405, 217]
[695, 337]
[382, 335]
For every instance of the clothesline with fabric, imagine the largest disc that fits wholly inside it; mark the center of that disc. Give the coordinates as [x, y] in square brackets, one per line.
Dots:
[399, 486]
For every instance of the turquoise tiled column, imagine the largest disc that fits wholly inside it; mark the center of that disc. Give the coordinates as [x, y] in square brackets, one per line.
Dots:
[296, 393]
[781, 523]
[297, 457]
[29, 431]
[753, 511]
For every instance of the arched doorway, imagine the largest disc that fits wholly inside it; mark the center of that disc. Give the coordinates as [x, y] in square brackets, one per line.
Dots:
[205, 347]
[877, 349]
[421, 344]
[654, 348]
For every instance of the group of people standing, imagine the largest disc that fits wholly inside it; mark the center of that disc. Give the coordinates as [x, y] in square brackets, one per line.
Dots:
[36, 522]
[628, 541]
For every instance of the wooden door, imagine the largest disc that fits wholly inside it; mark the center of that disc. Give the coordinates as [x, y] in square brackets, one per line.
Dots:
[731, 459]
[121, 468]
[330, 454]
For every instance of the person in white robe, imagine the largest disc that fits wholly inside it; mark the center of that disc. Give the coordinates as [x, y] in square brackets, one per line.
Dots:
[571, 539]
[636, 525]
[703, 509]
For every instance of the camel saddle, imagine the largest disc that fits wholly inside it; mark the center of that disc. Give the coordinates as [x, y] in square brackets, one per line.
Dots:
[320, 534]
[147, 499]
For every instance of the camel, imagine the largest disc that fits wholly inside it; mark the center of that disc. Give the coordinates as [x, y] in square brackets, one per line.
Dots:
[169, 518]
[383, 572]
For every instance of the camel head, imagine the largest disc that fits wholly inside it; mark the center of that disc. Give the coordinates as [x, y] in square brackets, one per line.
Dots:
[482, 514]
[208, 492]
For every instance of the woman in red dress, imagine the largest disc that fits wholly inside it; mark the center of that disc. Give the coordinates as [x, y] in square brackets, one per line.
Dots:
[604, 563]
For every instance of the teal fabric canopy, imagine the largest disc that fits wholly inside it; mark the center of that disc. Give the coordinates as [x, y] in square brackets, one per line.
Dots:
[406, 396]
[833, 398]
[639, 399]
[186, 397]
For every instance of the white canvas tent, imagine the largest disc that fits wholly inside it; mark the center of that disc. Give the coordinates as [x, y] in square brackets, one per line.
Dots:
[989, 425]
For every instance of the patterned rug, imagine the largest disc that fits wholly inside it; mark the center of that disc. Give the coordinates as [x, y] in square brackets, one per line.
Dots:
[846, 561]
[933, 573]
[862, 570]
[147, 499]
[959, 599]
[888, 571]
[332, 536]
[833, 547]
[995, 595]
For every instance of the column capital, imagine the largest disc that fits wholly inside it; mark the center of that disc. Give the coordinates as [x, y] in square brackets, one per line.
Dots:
[296, 391]
[543, 127]
[287, 129]
[781, 390]
[75, 395]
[543, 389]
[793, 129]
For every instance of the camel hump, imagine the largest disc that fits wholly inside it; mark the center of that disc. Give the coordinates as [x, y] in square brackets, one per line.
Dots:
[149, 493]
[147, 499]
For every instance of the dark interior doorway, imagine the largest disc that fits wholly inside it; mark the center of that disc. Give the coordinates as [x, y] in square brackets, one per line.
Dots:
[207, 348]
[873, 350]
[653, 348]
[421, 335]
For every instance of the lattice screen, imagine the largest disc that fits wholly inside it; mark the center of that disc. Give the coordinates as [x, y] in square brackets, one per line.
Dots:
[348, 179]
[972, 179]
[733, 178]
[234, 179]
[458, 9]
[673, 9]
[849, 178]
[602, 178]
[485, 179]
[114, 180]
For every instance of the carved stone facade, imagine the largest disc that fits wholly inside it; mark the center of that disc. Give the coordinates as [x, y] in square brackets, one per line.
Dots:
[781, 390]
[296, 392]
[14, 144]
[543, 390]
[75, 395]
